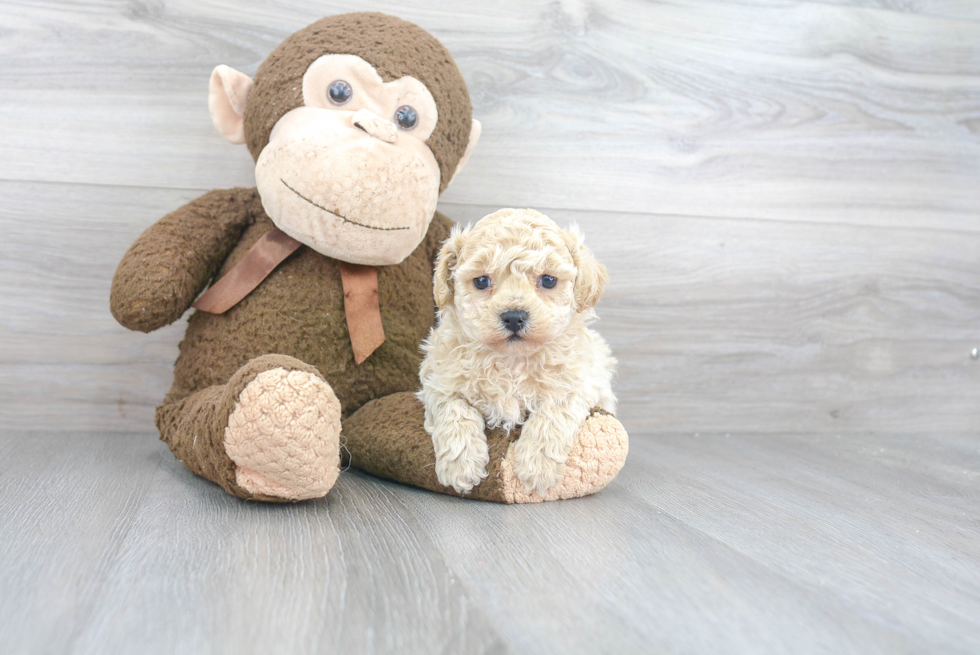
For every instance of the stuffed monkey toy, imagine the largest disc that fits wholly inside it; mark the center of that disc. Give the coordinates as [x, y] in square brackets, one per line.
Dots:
[306, 342]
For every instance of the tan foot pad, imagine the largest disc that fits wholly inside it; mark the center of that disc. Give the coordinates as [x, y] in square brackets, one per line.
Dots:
[595, 459]
[284, 436]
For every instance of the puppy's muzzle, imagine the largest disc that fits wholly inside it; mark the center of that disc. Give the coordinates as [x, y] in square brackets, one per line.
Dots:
[514, 320]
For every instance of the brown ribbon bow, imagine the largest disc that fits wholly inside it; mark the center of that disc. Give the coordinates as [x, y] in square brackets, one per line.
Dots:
[361, 304]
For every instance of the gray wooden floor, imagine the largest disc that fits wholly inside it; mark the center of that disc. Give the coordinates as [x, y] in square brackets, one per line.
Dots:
[786, 195]
[784, 543]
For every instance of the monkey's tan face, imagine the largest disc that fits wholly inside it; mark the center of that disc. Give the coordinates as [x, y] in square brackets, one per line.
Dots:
[349, 174]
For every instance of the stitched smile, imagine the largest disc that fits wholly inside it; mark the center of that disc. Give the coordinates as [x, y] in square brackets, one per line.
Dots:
[343, 218]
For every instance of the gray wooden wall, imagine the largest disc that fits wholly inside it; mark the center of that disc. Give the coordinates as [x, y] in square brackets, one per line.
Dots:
[786, 193]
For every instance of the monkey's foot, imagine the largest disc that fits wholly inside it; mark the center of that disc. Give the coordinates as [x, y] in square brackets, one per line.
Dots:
[284, 436]
[598, 455]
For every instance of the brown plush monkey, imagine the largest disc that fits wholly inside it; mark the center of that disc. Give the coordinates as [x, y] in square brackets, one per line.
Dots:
[322, 274]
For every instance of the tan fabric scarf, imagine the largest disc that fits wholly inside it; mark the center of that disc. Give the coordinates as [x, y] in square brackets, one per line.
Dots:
[361, 304]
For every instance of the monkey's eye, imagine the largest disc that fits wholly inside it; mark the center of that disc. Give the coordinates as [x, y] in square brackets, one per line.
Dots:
[482, 283]
[548, 282]
[406, 117]
[339, 92]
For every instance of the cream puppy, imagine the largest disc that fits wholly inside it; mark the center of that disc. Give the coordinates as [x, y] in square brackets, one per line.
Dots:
[512, 347]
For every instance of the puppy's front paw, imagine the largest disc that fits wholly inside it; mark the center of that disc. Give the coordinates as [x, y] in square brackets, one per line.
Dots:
[534, 468]
[463, 470]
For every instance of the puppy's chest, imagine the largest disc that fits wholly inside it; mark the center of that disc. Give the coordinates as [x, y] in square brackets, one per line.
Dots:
[507, 394]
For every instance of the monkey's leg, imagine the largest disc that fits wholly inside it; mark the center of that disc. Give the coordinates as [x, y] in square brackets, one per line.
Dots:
[271, 433]
[386, 438]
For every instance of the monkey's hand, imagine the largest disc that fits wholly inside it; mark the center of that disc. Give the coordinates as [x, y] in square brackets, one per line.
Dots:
[171, 262]
[460, 444]
[546, 439]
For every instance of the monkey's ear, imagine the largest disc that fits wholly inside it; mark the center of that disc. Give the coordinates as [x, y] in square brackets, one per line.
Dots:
[442, 278]
[227, 93]
[590, 280]
[475, 130]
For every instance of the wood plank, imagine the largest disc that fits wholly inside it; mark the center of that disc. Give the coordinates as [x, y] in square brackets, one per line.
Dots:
[738, 543]
[885, 522]
[773, 543]
[963, 9]
[66, 506]
[63, 359]
[720, 325]
[786, 111]
[154, 557]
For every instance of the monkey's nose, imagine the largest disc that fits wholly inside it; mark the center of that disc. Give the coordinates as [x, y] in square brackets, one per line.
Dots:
[514, 320]
[374, 125]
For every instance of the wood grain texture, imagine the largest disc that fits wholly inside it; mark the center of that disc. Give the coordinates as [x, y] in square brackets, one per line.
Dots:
[739, 543]
[109, 544]
[66, 506]
[966, 9]
[785, 111]
[788, 543]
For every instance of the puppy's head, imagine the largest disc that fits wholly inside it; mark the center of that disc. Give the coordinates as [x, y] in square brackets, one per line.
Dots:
[515, 280]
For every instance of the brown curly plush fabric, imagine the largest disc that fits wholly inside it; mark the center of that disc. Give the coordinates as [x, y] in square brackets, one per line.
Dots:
[295, 320]
[165, 269]
[297, 311]
[396, 48]
[386, 438]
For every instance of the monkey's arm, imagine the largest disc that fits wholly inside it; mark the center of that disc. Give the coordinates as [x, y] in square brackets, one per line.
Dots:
[171, 262]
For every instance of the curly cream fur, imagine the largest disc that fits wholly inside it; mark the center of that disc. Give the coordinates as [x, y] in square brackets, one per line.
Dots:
[477, 374]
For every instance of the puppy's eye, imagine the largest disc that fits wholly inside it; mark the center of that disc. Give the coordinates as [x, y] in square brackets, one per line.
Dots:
[482, 283]
[339, 92]
[548, 282]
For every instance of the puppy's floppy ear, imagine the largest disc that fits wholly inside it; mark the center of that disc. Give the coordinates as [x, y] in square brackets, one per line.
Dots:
[442, 278]
[590, 281]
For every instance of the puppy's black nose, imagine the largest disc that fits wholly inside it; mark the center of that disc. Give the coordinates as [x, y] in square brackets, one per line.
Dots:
[514, 320]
